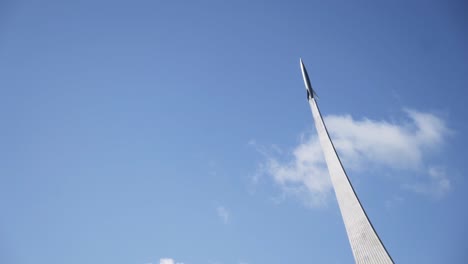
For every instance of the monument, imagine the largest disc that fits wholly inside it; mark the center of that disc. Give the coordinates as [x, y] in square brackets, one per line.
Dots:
[365, 243]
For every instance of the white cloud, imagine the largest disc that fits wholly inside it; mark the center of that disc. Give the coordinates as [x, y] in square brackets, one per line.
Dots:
[305, 176]
[168, 261]
[223, 213]
[362, 144]
[400, 146]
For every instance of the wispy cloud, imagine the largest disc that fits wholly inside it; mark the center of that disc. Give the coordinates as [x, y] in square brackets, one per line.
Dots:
[394, 201]
[437, 185]
[223, 213]
[362, 144]
[168, 261]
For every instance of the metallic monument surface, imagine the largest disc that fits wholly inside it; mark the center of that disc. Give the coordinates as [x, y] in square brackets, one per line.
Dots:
[365, 243]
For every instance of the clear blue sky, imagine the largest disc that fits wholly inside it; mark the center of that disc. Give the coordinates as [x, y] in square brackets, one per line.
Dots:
[141, 130]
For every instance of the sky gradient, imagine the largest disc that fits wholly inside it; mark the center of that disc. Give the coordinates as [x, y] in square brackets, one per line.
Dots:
[179, 132]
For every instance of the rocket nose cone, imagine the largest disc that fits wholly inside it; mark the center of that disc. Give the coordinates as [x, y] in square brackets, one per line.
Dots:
[301, 63]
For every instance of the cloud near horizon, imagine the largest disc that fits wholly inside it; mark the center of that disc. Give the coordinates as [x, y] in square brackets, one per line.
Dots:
[362, 145]
[168, 261]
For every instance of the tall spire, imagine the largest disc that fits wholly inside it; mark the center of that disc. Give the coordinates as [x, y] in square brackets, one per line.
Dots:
[365, 243]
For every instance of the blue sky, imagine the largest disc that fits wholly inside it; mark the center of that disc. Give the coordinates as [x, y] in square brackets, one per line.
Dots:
[179, 132]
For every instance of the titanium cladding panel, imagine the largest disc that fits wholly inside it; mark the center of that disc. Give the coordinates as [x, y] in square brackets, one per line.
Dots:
[365, 244]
